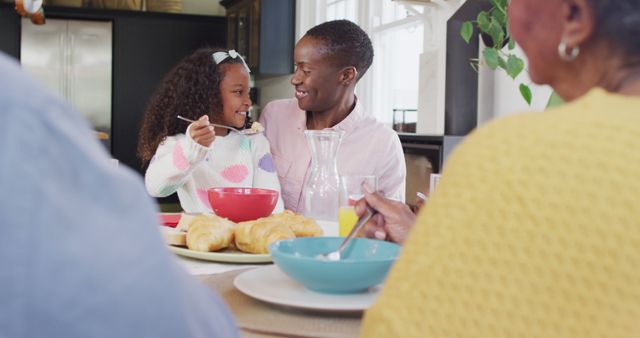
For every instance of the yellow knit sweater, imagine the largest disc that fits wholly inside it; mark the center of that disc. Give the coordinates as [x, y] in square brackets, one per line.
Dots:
[534, 231]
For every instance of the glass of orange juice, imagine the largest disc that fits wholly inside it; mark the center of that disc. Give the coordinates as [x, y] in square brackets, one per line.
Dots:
[352, 188]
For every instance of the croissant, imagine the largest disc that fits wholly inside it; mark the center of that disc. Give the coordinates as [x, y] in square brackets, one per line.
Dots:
[185, 220]
[256, 236]
[209, 233]
[174, 237]
[301, 226]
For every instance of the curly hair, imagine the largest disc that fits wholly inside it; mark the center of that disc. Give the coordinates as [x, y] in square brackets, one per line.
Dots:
[347, 43]
[190, 89]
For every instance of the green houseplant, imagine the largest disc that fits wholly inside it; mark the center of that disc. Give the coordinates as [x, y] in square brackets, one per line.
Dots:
[493, 27]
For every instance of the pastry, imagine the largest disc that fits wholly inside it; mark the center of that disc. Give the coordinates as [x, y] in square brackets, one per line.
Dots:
[173, 236]
[185, 221]
[209, 233]
[256, 236]
[301, 226]
[256, 127]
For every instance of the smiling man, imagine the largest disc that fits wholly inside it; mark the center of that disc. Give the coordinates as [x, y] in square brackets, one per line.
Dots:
[329, 61]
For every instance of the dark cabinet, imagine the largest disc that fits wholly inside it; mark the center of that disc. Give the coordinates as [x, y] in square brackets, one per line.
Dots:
[9, 31]
[263, 32]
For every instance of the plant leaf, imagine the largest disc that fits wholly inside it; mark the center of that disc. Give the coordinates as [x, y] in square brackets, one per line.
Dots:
[512, 44]
[500, 17]
[483, 21]
[496, 33]
[515, 65]
[525, 91]
[502, 63]
[500, 4]
[466, 31]
[491, 57]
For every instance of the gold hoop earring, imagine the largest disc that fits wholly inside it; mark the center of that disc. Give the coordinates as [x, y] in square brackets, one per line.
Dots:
[568, 55]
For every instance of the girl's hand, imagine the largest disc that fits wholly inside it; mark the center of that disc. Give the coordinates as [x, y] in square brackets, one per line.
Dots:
[201, 132]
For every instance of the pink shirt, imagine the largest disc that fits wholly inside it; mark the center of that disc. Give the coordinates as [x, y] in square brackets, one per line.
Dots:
[368, 148]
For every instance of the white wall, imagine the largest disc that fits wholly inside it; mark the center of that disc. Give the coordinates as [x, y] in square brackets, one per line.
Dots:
[433, 65]
[498, 94]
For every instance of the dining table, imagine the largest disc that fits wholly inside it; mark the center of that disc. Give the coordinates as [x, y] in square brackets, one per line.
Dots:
[256, 318]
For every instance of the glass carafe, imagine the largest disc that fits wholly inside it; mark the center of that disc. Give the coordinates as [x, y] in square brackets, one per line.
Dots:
[322, 186]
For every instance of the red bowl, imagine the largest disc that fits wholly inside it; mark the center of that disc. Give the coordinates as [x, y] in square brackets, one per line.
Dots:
[242, 204]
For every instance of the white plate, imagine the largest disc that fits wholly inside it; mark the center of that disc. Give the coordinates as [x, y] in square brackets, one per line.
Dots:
[271, 285]
[227, 256]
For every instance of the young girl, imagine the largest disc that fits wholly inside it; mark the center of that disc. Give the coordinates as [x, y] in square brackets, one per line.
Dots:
[211, 85]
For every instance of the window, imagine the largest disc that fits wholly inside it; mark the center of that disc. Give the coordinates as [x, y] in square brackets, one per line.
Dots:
[341, 9]
[397, 34]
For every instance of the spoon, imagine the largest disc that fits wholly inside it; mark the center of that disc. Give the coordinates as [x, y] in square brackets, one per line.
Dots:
[337, 255]
[242, 132]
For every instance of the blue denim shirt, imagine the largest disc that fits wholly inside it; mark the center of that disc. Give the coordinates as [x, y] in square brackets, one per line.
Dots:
[80, 250]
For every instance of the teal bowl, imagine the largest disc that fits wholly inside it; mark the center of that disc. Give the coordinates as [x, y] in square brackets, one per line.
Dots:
[365, 263]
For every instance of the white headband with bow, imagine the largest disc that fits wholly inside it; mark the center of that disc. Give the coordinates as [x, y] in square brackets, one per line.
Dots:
[221, 56]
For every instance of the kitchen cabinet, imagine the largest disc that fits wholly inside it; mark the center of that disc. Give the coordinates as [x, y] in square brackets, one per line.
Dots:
[423, 156]
[263, 32]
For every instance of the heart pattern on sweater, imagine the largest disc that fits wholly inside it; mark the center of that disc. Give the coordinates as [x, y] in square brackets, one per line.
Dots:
[168, 190]
[179, 160]
[266, 163]
[245, 144]
[235, 173]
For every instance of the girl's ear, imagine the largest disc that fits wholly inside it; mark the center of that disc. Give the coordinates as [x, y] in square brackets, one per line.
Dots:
[348, 75]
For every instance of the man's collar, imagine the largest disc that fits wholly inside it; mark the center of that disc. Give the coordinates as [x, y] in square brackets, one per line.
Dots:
[348, 124]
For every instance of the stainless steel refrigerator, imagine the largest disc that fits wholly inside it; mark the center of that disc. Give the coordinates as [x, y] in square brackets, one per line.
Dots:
[73, 58]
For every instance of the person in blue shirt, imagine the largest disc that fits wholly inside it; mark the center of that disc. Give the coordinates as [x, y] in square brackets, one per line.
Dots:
[80, 250]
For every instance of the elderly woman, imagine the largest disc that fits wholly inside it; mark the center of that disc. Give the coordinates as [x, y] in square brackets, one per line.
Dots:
[541, 238]
[330, 59]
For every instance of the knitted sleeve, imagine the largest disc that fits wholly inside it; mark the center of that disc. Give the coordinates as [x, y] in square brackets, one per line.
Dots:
[265, 175]
[174, 161]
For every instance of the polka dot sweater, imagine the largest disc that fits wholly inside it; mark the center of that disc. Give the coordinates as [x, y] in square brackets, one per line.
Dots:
[181, 165]
[533, 231]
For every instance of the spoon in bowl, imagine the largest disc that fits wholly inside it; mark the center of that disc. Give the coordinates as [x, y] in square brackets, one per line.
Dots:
[250, 131]
[337, 255]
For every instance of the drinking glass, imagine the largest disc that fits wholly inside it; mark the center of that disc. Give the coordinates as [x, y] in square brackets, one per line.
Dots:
[352, 188]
